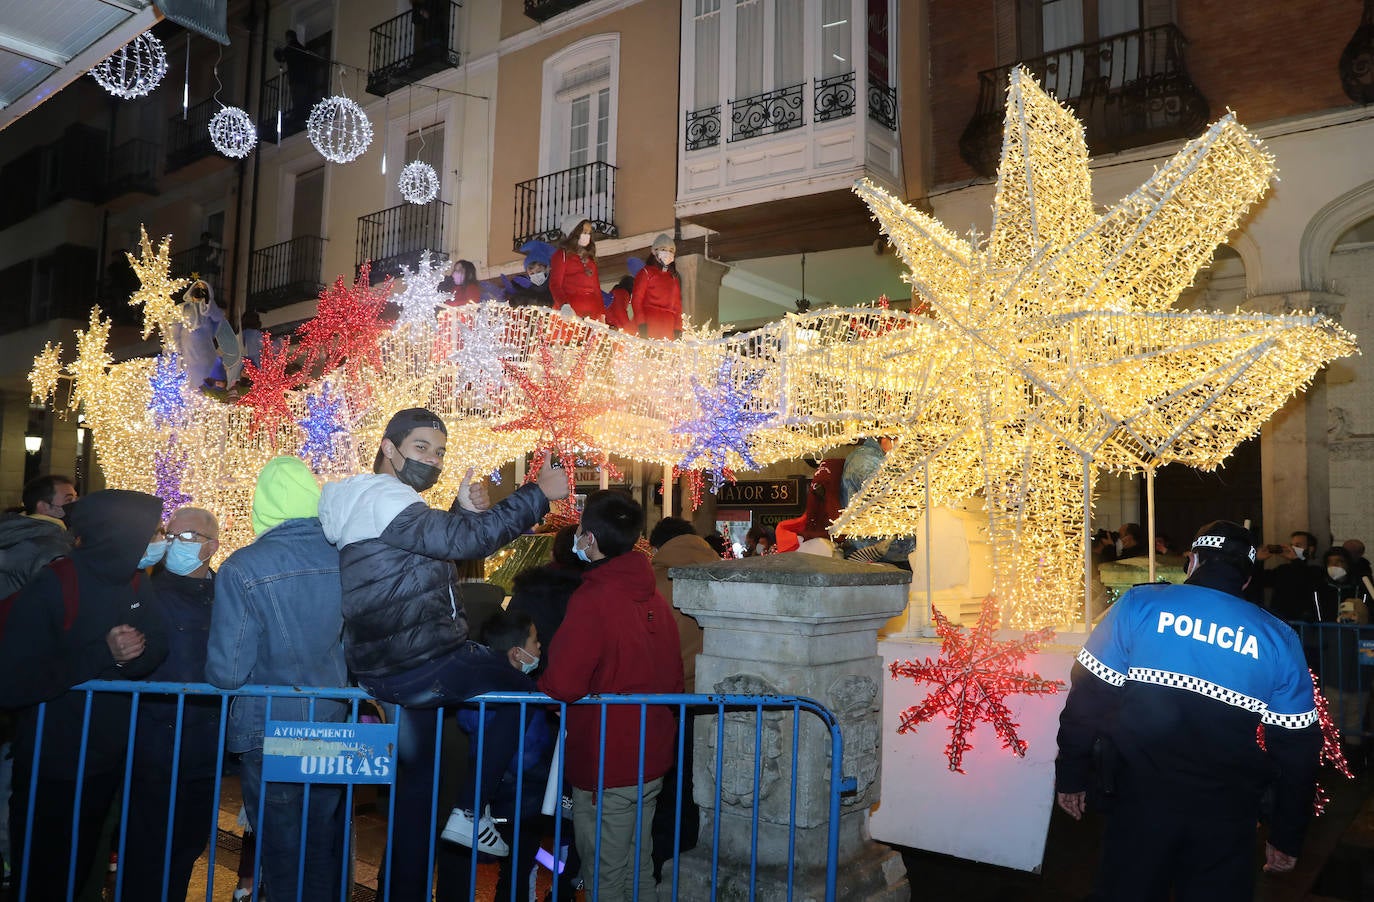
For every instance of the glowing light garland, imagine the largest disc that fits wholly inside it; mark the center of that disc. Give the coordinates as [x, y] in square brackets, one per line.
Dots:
[233, 133]
[135, 69]
[419, 183]
[1331, 752]
[339, 129]
[725, 423]
[322, 423]
[47, 370]
[167, 385]
[972, 678]
[156, 285]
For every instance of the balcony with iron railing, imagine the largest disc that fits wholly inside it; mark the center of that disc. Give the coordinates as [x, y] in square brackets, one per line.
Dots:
[542, 203]
[285, 273]
[543, 10]
[188, 139]
[408, 47]
[1129, 90]
[131, 168]
[204, 261]
[399, 234]
[284, 106]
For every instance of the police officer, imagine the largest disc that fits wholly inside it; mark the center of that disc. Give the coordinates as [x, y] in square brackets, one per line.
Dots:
[1167, 694]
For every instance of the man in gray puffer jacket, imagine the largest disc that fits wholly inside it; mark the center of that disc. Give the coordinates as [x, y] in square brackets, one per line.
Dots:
[29, 540]
[405, 634]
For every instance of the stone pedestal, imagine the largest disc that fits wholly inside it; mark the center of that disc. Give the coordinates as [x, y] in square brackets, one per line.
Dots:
[790, 624]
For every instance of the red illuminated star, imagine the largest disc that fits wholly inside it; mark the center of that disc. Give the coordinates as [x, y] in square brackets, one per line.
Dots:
[270, 383]
[973, 676]
[555, 407]
[347, 324]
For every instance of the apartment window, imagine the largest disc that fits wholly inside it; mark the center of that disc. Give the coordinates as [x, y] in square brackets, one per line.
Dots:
[836, 45]
[579, 111]
[769, 45]
[706, 34]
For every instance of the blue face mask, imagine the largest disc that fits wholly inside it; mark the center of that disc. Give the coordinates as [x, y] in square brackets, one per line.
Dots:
[156, 549]
[183, 558]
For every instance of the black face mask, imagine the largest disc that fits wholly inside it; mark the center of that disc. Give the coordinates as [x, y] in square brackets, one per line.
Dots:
[418, 475]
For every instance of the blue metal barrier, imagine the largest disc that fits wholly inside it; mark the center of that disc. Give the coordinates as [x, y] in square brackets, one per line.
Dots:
[1342, 657]
[414, 775]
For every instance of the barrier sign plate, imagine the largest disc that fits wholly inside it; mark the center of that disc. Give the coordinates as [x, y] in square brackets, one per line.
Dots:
[295, 752]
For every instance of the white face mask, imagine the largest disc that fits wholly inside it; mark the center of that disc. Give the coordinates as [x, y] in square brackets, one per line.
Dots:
[665, 257]
[528, 666]
[584, 239]
[1336, 573]
[538, 278]
[1299, 552]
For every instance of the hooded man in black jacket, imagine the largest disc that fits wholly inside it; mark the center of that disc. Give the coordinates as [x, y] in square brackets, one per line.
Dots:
[89, 616]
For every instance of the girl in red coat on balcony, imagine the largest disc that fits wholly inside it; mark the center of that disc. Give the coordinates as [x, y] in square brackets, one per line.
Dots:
[657, 298]
[573, 279]
[466, 288]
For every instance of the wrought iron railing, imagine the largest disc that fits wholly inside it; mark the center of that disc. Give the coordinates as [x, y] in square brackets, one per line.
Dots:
[278, 117]
[1129, 89]
[703, 128]
[188, 139]
[132, 166]
[833, 97]
[882, 105]
[408, 47]
[767, 113]
[399, 234]
[540, 10]
[285, 273]
[541, 204]
[204, 261]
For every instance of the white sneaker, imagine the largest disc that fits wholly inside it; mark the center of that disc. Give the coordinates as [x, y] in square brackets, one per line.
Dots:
[459, 830]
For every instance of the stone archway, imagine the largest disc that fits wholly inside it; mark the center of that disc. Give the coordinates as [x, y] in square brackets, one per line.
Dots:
[1349, 271]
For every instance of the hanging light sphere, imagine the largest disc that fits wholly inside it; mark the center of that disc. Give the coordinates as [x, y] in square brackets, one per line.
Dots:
[419, 182]
[135, 69]
[232, 132]
[339, 129]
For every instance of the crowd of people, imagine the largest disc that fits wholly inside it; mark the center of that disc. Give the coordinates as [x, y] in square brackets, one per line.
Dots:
[349, 584]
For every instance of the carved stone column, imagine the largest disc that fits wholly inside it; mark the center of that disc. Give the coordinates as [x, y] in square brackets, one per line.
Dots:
[790, 624]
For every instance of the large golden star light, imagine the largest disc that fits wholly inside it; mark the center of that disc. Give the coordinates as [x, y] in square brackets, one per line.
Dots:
[157, 287]
[1060, 354]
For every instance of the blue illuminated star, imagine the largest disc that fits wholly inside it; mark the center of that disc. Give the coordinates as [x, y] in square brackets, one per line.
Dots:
[322, 422]
[725, 423]
[167, 403]
[169, 468]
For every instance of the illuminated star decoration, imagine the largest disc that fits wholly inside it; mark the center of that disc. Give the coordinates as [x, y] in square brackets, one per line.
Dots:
[347, 325]
[169, 469]
[322, 422]
[480, 346]
[47, 370]
[554, 407]
[1331, 752]
[972, 678]
[167, 402]
[157, 287]
[1051, 352]
[270, 383]
[93, 359]
[725, 423]
[420, 296]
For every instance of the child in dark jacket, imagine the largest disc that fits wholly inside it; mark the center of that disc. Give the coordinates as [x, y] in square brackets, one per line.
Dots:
[511, 636]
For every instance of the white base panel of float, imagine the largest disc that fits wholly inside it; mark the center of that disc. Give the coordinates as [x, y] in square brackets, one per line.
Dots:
[998, 811]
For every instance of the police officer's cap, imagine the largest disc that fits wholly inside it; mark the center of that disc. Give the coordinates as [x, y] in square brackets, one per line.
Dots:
[1225, 538]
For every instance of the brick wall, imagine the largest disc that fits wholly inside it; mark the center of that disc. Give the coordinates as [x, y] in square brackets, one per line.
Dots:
[1266, 61]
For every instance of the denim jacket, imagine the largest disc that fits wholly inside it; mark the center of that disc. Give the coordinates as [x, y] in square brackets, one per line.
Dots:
[277, 620]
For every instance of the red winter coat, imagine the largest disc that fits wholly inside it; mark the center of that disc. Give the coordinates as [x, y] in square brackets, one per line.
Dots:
[657, 301]
[619, 635]
[574, 281]
[469, 293]
[618, 314]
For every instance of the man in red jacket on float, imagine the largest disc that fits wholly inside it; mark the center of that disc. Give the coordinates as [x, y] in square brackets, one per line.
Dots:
[618, 636]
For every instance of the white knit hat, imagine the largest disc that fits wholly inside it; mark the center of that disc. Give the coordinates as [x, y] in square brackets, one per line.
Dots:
[571, 222]
[665, 242]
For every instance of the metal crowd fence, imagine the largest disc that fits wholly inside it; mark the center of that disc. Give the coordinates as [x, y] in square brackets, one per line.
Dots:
[1342, 657]
[728, 721]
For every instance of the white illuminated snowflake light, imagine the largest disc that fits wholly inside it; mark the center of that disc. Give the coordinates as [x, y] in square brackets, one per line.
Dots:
[419, 182]
[233, 133]
[135, 69]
